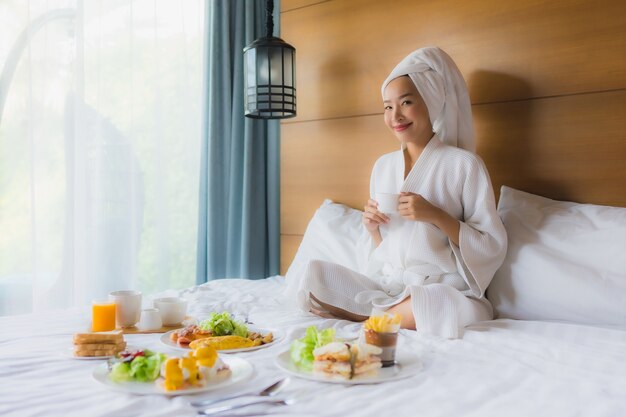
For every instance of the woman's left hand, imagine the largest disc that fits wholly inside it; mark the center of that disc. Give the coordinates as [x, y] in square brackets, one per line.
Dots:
[415, 207]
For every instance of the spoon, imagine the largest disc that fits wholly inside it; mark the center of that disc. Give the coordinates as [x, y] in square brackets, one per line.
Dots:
[269, 391]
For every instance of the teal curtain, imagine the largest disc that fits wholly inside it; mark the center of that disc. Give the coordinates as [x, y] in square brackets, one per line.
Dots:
[238, 227]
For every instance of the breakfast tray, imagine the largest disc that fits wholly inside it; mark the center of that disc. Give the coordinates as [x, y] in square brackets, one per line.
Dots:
[163, 329]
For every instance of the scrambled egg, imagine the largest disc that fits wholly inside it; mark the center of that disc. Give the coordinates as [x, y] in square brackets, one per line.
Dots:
[223, 342]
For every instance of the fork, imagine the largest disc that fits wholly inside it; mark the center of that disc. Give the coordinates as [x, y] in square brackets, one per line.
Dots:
[268, 391]
[274, 401]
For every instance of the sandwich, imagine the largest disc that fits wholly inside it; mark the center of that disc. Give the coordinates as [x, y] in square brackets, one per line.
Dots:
[333, 361]
[342, 361]
[365, 360]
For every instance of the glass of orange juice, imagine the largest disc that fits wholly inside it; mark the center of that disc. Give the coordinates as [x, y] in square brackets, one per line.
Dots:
[102, 316]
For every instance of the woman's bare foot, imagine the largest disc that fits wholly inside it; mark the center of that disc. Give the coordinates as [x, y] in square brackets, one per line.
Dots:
[335, 312]
[323, 314]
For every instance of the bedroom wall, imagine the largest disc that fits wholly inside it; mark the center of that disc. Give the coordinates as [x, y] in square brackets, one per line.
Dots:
[547, 81]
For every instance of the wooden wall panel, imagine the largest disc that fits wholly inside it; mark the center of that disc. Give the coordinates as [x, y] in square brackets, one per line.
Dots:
[328, 159]
[288, 246]
[287, 5]
[568, 148]
[533, 145]
[346, 48]
[547, 80]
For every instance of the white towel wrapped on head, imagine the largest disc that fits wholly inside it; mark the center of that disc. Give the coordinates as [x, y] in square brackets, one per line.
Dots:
[441, 85]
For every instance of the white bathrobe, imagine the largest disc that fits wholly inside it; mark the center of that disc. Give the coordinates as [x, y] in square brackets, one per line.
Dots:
[446, 282]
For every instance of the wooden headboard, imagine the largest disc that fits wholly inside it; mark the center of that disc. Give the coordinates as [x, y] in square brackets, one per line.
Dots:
[547, 81]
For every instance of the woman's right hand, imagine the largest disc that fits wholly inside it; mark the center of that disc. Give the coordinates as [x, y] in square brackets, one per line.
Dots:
[372, 218]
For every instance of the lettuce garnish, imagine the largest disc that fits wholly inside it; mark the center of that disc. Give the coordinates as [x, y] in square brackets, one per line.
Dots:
[302, 349]
[145, 367]
[223, 324]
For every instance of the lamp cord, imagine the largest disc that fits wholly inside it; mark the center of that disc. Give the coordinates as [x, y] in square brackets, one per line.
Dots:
[269, 22]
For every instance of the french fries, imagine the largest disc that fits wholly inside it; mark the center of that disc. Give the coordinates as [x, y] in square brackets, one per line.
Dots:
[383, 324]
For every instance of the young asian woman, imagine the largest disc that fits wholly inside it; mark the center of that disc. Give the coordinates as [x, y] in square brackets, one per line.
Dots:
[433, 258]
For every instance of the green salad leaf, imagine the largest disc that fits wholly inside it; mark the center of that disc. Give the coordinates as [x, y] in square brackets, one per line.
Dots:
[302, 349]
[223, 324]
[143, 368]
[120, 372]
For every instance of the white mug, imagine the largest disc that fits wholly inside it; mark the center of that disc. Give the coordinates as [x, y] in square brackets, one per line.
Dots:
[173, 310]
[127, 307]
[150, 319]
[387, 202]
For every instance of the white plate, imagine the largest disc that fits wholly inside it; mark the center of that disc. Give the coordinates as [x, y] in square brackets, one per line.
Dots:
[407, 364]
[165, 339]
[240, 368]
[69, 353]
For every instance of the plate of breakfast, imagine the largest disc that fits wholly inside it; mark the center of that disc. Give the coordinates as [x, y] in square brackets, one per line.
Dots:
[223, 333]
[191, 336]
[350, 364]
[143, 372]
[320, 355]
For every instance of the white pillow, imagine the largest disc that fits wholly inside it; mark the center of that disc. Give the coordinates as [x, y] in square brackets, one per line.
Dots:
[565, 261]
[335, 234]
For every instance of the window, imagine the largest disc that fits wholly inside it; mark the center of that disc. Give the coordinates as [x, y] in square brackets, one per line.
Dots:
[100, 123]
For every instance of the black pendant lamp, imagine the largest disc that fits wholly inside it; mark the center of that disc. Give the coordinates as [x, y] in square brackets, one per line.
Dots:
[269, 75]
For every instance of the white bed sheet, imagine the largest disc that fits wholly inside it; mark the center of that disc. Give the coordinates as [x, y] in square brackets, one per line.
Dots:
[498, 368]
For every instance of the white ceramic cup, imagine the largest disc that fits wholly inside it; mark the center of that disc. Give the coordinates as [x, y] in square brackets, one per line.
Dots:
[150, 319]
[127, 307]
[387, 202]
[173, 310]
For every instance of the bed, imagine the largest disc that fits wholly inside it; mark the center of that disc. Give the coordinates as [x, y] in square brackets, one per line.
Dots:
[571, 365]
[546, 125]
[501, 367]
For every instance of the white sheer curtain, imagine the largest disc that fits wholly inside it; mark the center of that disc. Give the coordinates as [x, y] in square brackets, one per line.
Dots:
[100, 120]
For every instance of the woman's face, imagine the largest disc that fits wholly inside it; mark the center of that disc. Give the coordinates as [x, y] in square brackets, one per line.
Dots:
[406, 113]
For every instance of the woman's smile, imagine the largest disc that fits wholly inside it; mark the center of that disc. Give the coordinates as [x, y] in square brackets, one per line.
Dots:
[402, 127]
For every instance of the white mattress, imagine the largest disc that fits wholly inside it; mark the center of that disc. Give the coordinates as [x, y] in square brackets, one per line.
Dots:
[499, 368]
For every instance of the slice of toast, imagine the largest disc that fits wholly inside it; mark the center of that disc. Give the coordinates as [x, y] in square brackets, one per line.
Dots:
[89, 353]
[101, 338]
[99, 346]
